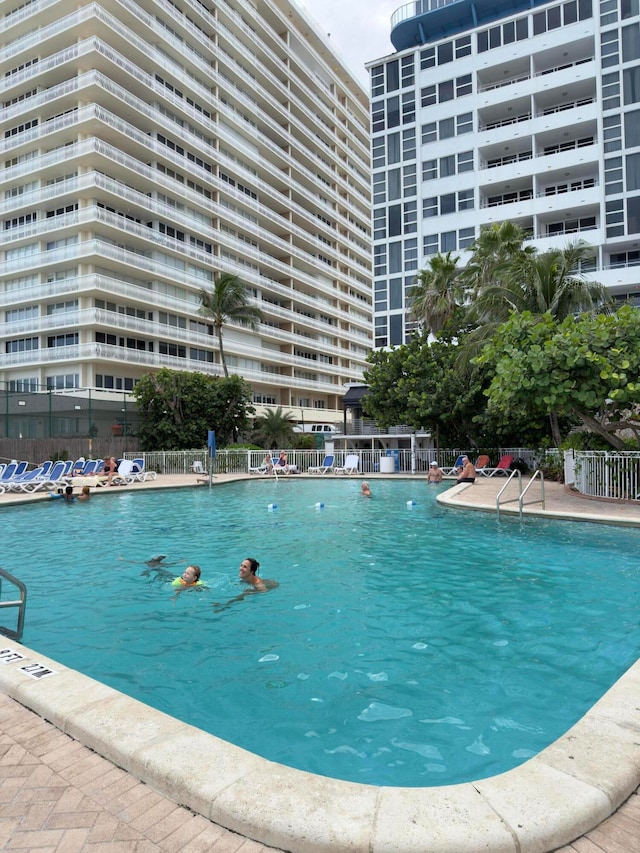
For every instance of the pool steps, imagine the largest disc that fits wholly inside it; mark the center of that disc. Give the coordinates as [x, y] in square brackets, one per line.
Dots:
[558, 795]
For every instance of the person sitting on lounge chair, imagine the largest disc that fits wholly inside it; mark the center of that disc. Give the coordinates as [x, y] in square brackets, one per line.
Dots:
[283, 462]
[468, 473]
[267, 463]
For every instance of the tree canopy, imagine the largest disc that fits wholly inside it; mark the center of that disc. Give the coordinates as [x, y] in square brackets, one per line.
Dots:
[274, 429]
[177, 408]
[586, 368]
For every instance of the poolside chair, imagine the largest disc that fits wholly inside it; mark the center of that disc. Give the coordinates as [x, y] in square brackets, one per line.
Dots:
[23, 482]
[453, 470]
[503, 468]
[482, 462]
[350, 466]
[197, 467]
[140, 473]
[124, 475]
[327, 465]
[57, 477]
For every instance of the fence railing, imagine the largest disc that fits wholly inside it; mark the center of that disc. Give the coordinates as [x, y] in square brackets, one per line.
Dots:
[605, 474]
[242, 461]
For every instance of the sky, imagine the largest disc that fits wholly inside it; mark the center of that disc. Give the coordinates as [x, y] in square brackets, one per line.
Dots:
[359, 28]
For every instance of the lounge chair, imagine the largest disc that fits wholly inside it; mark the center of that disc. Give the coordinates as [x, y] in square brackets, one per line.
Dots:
[327, 465]
[482, 462]
[124, 476]
[197, 467]
[139, 472]
[350, 466]
[503, 468]
[57, 477]
[449, 471]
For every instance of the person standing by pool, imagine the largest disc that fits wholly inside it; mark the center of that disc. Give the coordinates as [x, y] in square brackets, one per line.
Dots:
[435, 473]
[468, 473]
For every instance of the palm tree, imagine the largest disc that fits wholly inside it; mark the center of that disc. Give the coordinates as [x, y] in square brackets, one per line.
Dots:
[274, 429]
[228, 302]
[438, 293]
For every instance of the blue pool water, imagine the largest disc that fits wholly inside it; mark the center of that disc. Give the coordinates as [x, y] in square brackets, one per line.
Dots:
[405, 645]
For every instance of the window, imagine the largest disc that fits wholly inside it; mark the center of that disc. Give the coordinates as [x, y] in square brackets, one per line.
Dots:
[379, 223]
[447, 204]
[409, 143]
[429, 206]
[615, 218]
[22, 345]
[463, 47]
[613, 132]
[447, 166]
[613, 175]
[407, 71]
[465, 161]
[445, 53]
[379, 188]
[445, 91]
[377, 116]
[609, 49]
[409, 180]
[393, 111]
[430, 244]
[631, 43]
[633, 215]
[448, 242]
[466, 236]
[411, 254]
[395, 294]
[610, 91]
[379, 260]
[466, 200]
[427, 58]
[395, 217]
[410, 217]
[608, 12]
[429, 133]
[393, 184]
[446, 128]
[62, 382]
[395, 257]
[393, 148]
[393, 79]
[408, 108]
[464, 86]
[631, 85]
[464, 123]
[428, 96]
[429, 170]
[632, 169]
[377, 81]
[68, 340]
[378, 152]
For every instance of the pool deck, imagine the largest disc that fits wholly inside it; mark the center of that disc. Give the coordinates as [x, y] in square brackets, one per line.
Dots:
[84, 768]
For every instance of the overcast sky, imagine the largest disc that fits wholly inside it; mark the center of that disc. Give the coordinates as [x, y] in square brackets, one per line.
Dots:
[359, 28]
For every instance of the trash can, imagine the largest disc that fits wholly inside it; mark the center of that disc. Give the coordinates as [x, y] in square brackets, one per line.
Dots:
[387, 465]
[395, 455]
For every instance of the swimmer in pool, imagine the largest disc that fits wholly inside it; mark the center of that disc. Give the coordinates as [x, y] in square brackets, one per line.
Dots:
[190, 577]
[365, 491]
[248, 575]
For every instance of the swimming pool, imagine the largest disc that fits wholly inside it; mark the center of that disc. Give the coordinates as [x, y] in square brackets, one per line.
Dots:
[320, 673]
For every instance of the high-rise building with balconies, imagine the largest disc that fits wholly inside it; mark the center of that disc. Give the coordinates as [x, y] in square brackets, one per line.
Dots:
[524, 111]
[148, 145]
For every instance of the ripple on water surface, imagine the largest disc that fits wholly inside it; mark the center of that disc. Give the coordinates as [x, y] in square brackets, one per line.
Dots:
[400, 648]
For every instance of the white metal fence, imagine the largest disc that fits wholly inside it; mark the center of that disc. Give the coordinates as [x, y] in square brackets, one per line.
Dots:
[241, 461]
[605, 474]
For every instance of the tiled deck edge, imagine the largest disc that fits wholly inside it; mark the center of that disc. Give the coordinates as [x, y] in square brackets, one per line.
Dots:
[544, 804]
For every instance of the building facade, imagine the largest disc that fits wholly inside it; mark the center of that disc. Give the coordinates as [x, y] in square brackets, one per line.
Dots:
[148, 145]
[520, 111]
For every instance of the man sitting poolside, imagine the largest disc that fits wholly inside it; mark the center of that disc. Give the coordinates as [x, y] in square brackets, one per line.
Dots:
[468, 473]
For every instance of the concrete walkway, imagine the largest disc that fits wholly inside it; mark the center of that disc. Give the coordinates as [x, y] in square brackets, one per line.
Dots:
[58, 795]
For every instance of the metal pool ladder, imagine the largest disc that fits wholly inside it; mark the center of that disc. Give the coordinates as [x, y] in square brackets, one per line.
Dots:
[19, 603]
[521, 492]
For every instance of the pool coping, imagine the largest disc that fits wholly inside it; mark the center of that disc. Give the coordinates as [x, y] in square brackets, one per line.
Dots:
[543, 804]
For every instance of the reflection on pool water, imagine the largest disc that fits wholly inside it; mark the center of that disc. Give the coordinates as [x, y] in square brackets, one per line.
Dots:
[407, 644]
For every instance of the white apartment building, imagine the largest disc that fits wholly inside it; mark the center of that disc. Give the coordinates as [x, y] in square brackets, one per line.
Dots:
[146, 146]
[525, 111]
